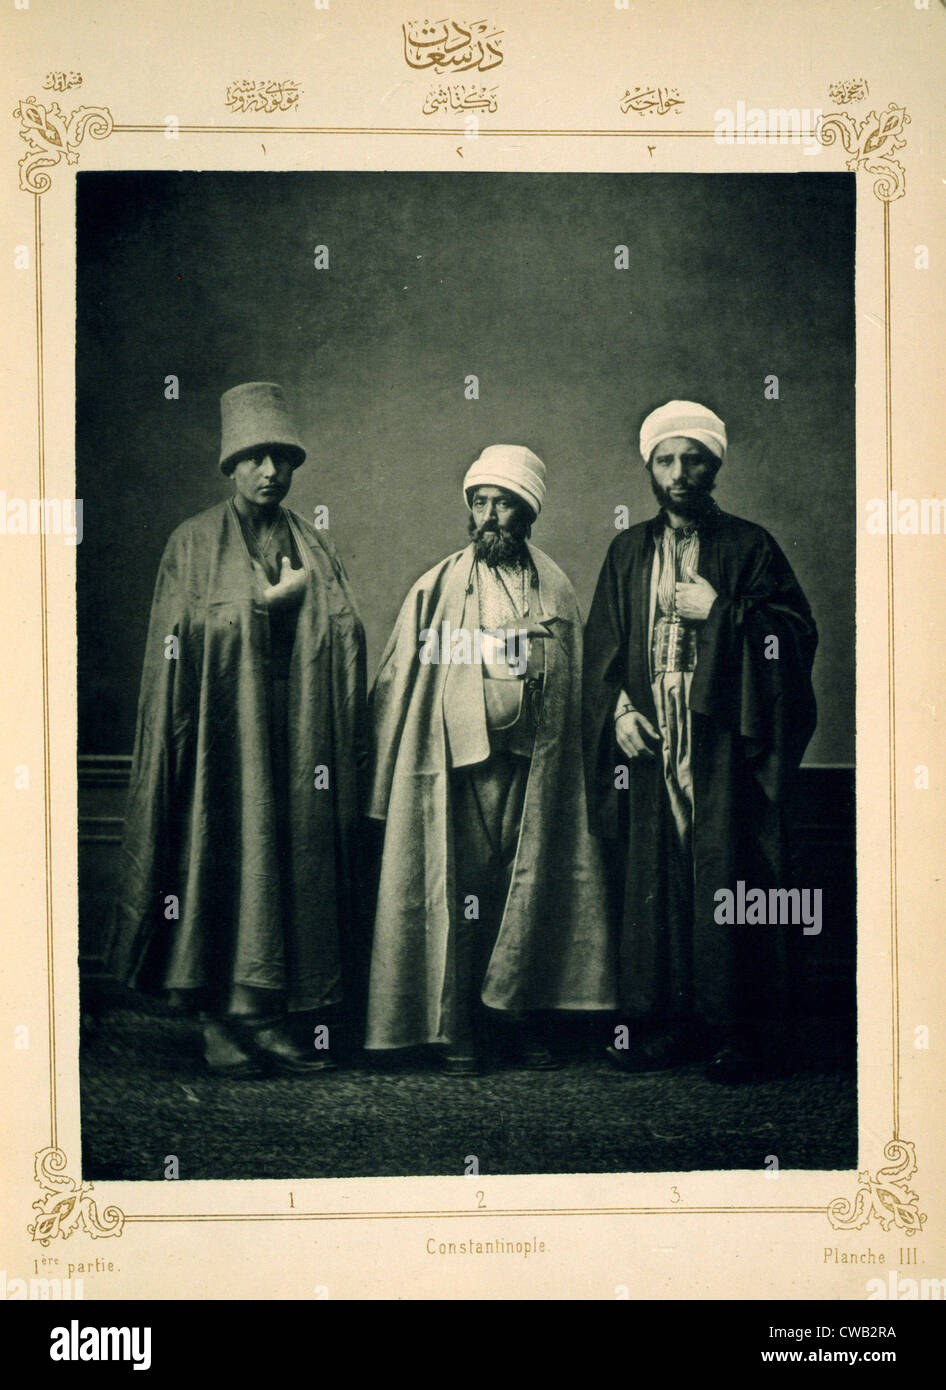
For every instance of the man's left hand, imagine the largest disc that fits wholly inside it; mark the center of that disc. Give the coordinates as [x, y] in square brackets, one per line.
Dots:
[695, 598]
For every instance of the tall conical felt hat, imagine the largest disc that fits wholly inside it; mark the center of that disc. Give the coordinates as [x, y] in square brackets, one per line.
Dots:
[255, 415]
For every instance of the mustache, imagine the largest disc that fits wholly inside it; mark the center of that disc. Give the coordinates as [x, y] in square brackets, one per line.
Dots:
[490, 534]
[496, 544]
[695, 496]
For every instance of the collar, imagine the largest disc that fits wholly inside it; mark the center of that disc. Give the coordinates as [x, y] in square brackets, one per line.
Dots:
[703, 524]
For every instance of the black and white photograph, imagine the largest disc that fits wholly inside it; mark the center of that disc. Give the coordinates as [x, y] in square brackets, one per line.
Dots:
[466, 673]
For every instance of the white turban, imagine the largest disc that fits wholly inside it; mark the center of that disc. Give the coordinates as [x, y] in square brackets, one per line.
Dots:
[684, 418]
[513, 467]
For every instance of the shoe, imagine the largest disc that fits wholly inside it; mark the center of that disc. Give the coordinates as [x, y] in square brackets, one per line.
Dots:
[461, 1064]
[657, 1053]
[273, 1045]
[732, 1067]
[526, 1049]
[516, 1041]
[629, 1058]
[535, 1057]
[225, 1057]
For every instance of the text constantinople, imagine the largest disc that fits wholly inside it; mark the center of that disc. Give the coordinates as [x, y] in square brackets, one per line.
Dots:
[524, 1248]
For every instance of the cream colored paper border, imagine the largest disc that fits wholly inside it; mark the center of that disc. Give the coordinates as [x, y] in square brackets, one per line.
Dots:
[560, 85]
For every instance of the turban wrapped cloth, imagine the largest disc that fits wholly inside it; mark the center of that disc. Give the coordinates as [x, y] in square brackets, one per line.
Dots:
[685, 418]
[513, 467]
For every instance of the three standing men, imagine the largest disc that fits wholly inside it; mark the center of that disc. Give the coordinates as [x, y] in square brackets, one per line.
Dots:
[698, 706]
[491, 890]
[238, 867]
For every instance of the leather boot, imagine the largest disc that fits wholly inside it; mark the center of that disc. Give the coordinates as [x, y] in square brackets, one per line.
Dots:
[225, 1055]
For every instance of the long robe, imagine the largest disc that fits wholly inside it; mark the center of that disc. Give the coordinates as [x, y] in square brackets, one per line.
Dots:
[752, 717]
[235, 870]
[553, 949]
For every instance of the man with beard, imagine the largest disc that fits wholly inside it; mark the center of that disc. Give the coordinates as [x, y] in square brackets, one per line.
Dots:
[697, 709]
[491, 889]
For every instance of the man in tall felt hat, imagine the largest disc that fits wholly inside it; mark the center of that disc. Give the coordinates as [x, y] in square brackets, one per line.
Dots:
[236, 881]
[698, 706]
[491, 899]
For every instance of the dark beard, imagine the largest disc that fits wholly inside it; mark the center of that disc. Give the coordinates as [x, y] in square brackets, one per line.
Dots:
[498, 545]
[691, 508]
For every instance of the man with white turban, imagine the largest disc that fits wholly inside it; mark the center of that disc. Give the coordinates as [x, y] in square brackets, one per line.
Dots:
[491, 899]
[698, 706]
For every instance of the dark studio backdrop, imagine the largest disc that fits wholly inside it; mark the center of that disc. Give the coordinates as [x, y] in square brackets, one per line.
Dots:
[210, 277]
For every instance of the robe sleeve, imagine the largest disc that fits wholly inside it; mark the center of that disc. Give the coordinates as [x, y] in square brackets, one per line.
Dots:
[753, 674]
[350, 684]
[164, 736]
[603, 667]
[390, 697]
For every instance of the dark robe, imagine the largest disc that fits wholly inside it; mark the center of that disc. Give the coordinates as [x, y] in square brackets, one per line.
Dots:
[751, 720]
[224, 813]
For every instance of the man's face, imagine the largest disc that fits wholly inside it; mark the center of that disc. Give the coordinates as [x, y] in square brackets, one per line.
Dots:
[682, 475]
[263, 479]
[498, 524]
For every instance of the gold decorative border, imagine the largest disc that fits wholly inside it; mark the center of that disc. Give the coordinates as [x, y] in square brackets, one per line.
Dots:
[871, 144]
[885, 1196]
[52, 137]
[871, 141]
[67, 1206]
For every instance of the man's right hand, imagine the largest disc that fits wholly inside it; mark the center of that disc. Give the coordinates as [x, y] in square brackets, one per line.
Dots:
[290, 587]
[636, 736]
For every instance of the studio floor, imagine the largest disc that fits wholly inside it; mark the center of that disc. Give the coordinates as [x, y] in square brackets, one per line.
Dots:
[145, 1095]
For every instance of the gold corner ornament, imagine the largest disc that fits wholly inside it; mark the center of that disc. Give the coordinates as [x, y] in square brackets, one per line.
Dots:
[885, 1196]
[67, 1206]
[871, 143]
[51, 136]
